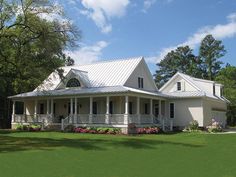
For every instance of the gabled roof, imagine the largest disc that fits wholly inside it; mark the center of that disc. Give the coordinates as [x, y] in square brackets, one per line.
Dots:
[101, 74]
[195, 83]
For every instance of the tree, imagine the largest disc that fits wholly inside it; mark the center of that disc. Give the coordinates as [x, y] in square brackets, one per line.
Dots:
[182, 59]
[30, 46]
[210, 51]
[227, 77]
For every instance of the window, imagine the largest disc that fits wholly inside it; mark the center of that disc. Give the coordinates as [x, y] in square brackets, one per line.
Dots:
[73, 83]
[41, 108]
[146, 108]
[214, 89]
[95, 110]
[178, 86]
[221, 91]
[130, 108]
[172, 110]
[140, 82]
[110, 107]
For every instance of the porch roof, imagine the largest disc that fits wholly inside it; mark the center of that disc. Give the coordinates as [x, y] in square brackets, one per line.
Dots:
[86, 91]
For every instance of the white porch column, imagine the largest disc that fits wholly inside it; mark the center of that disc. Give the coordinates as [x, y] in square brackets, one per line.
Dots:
[90, 110]
[35, 109]
[13, 111]
[48, 107]
[52, 106]
[138, 110]
[107, 110]
[151, 112]
[24, 112]
[75, 116]
[126, 116]
[159, 107]
[71, 110]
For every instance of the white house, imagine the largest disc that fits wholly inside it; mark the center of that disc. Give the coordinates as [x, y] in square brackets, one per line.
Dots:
[116, 93]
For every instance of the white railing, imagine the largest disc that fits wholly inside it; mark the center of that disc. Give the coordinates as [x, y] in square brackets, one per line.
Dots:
[146, 119]
[19, 118]
[117, 119]
[134, 118]
[82, 119]
[99, 119]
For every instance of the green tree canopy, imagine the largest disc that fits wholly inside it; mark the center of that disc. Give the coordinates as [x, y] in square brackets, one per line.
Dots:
[210, 51]
[226, 76]
[182, 59]
[31, 46]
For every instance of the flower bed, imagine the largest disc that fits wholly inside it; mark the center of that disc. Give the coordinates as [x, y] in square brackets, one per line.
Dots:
[148, 130]
[96, 130]
[31, 128]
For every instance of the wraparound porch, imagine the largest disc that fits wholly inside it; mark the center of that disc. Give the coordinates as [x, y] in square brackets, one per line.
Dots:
[112, 110]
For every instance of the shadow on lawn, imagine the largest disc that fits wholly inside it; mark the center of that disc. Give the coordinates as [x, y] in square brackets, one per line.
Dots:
[14, 144]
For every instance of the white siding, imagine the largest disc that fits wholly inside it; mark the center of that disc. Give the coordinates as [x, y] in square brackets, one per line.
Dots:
[209, 106]
[186, 110]
[141, 71]
[185, 86]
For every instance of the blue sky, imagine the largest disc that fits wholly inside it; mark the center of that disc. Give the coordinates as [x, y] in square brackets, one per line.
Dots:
[114, 29]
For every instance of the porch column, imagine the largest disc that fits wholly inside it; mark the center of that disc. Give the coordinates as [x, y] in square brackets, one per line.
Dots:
[24, 113]
[35, 109]
[126, 116]
[75, 116]
[138, 110]
[48, 107]
[52, 106]
[107, 110]
[90, 110]
[151, 112]
[159, 107]
[13, 111]
[71, 110]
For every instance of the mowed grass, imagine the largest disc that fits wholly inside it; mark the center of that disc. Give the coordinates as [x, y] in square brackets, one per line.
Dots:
[55, 154]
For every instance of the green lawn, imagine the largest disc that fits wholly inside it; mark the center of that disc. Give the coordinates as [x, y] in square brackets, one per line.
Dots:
[53, 154]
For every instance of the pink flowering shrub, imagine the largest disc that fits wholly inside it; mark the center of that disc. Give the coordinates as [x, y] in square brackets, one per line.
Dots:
[95, 130]
[214, 127]
[148, 130]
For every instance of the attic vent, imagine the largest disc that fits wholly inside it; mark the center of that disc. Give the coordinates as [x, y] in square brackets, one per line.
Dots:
[73, 83]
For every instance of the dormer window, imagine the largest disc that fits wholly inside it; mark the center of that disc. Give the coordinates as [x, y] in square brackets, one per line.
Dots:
[214, 89]
[140, 82]
[73, 83]
[221, 91]
[178, 86]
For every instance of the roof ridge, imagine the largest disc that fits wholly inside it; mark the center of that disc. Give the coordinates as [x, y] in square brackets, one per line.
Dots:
[107, 61]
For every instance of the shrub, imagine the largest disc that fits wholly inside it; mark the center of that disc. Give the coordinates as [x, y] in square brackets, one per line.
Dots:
[148, 130]
[214, 127]
[100, 130]
[193, 126]
[34, 128]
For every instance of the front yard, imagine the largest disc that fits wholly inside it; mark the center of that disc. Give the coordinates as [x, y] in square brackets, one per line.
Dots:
[54, 154]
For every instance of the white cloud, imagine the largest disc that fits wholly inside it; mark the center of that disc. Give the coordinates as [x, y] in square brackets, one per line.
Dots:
[101, 11]
[88, 54]
[220, 31]
[147, 4]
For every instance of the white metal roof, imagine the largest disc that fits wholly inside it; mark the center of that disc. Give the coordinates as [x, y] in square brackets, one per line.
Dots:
[85, 91]
[101, 74]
